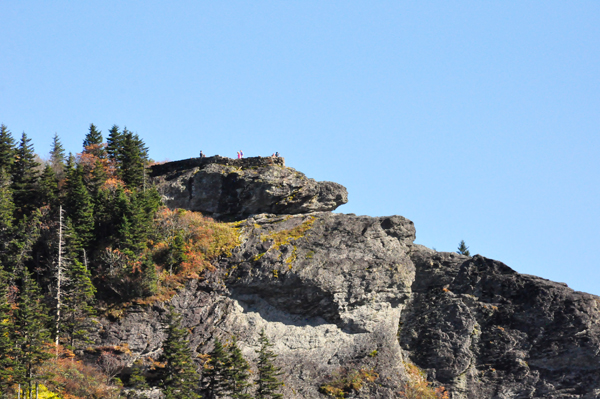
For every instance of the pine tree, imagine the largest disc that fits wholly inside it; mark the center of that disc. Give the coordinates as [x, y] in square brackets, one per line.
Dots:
[180, 378]
[148, 284]
[78, 295]
[25, 178]
[48, 187]
[97, 179]
[7, 149]
[137, 380]
[463, 249]
[93, 142]
[114, 143]
[57, 157]
[30, 334]
[132, 160]
[237, 372]
[268, 382]
[215, 371]
[6, 209]
[26, 233]
[105, 215]
[7, 361]
[79, 208]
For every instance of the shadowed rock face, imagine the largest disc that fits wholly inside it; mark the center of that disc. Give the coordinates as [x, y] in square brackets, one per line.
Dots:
[337, 293]
[489, 332]
[228, 188]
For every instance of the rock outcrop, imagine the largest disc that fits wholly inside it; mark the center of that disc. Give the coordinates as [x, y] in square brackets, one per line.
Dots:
[339, 294]
[487, 331]
[236, 188]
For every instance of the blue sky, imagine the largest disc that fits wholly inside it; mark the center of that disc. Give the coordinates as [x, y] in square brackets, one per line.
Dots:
[476, 120]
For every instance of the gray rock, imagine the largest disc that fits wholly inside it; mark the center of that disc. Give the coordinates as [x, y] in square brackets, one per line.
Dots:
[486, 331]
[329, 298]
[340, 293]
[229, 188]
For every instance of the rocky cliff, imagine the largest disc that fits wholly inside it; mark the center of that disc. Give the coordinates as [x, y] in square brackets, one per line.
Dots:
[341, 294]
[235, 188]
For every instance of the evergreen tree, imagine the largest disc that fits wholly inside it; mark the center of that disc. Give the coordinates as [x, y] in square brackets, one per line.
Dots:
[26, 234]
[104, 217]
[180, 378]
[48, 187]
[137, 381]
[93, 142]
[79, 293]
[7, 149]
[29, 333]
[57, 157]
[79, 207]
[121, 216]
[268, 382]
[6, 219]
[25, 178]
[215, 372]
[97, 179]
[114, 143]
[7, 361]
[463, 249]
[132, 160]
[133, 217]
[6, 209]
[237, 372]
[148, 280]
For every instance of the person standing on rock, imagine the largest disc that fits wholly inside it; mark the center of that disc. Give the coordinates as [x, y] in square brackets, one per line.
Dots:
[239, 156]
[202, 154]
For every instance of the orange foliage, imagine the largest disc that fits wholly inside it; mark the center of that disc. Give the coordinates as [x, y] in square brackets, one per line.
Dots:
[112, 184]
[73, 379]
[90, 161]
[417, 386]
[184, 245]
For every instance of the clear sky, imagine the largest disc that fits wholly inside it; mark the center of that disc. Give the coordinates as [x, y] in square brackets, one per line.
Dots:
[477, 120]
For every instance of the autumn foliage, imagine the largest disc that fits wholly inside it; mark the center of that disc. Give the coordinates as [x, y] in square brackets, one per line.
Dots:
[416, 385]
[184, 244]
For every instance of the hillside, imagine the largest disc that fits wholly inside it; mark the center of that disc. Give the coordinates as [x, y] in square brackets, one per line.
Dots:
[121, 279]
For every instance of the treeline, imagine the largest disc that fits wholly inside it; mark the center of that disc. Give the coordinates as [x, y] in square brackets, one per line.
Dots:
[79, 229]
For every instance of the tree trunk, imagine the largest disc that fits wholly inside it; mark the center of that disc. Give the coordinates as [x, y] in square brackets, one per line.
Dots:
[59, 272]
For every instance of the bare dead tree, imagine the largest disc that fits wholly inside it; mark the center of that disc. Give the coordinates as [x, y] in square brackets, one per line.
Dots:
[59, 275]
[110, 364]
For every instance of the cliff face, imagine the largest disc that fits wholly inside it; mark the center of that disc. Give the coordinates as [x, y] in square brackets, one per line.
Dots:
[341, 293]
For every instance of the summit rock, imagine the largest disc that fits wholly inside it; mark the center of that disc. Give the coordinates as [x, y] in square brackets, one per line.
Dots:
[236, 188]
